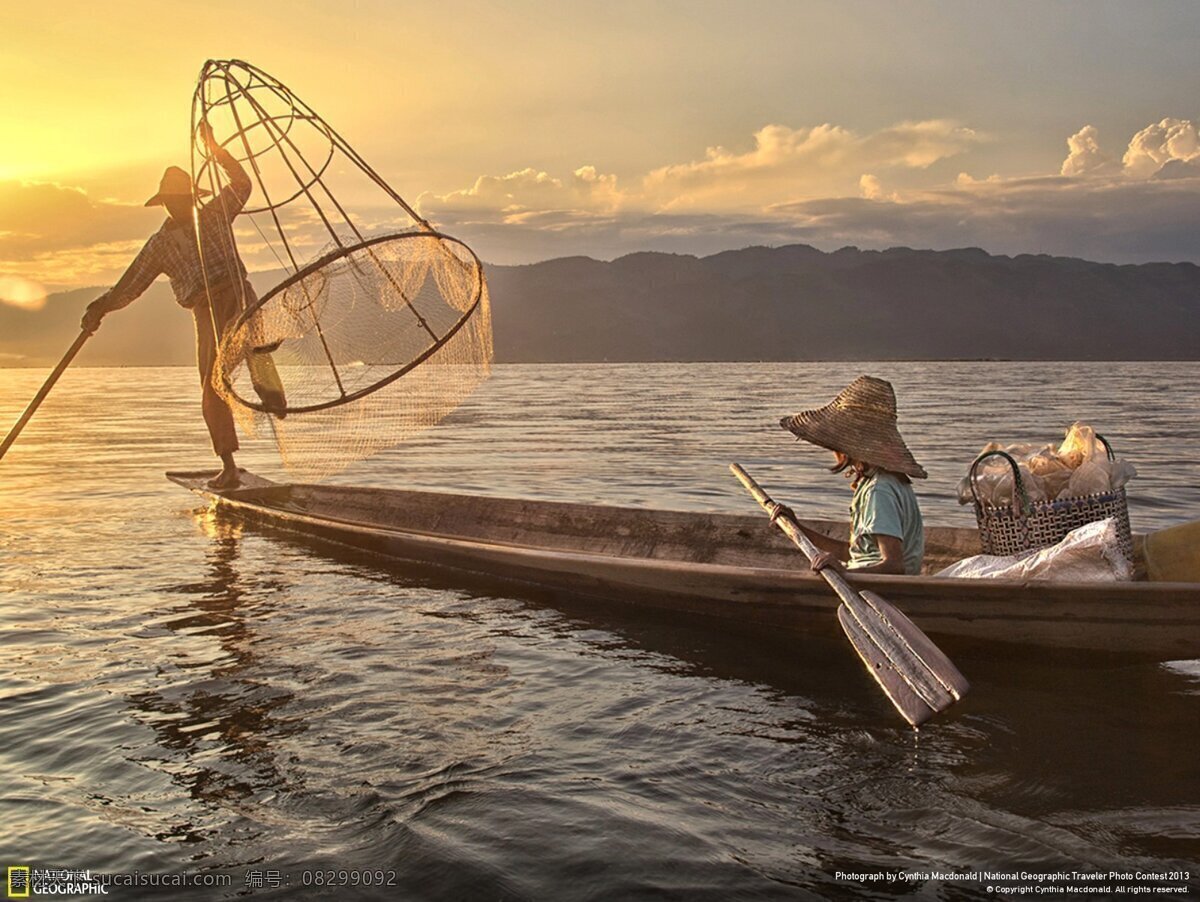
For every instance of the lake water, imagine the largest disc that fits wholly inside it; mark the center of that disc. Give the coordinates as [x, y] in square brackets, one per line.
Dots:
[184, 696]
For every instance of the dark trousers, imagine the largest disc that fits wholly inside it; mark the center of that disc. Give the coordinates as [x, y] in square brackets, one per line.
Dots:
[211, 322]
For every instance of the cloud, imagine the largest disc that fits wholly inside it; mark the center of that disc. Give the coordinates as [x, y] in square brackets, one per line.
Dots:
[59, 235]
[614, 236]
[1157, 145]
[870, 187]
[1169, 149]
[1113, 219]
[36, 217]
[785, 164]
[790, 164]
[1178, 169]
[527, 191]
[825, 185]
[1116, 219]
[1144, 208]
[97, 264]
[1084, 156]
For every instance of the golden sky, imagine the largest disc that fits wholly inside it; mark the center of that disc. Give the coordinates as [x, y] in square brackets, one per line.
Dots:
[540, 129]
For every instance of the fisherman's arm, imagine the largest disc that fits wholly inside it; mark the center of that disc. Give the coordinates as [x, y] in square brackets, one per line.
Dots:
[891, 550]
[234, 195]
[831, 549]
[145, 268]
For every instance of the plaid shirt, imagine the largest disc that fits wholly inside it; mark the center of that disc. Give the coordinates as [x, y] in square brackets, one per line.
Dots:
[173, 249]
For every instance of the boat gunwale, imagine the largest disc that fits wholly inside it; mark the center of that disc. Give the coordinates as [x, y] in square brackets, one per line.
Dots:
[245, 497]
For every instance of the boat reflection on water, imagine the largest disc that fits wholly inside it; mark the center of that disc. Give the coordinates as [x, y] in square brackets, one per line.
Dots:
[215, 710]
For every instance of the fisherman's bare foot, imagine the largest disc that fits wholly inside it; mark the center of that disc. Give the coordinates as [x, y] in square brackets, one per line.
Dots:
[228, 478]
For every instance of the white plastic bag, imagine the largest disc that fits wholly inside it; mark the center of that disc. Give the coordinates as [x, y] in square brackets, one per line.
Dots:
[1091, 553]
[1053, 471]
[1078, 466]
[994, 482]
[1122, 472]
[1080, 446]
[1093, 477]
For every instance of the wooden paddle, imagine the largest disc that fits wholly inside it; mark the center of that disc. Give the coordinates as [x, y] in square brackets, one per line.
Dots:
[84, 335]
[919, 679]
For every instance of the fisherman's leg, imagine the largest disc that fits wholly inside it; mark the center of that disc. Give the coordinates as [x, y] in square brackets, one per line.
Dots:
[217, 415]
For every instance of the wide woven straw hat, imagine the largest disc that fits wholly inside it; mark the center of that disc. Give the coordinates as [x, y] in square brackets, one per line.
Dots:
[175, 183]
[859, 422]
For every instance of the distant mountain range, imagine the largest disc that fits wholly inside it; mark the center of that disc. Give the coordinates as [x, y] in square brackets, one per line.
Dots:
[785, 303]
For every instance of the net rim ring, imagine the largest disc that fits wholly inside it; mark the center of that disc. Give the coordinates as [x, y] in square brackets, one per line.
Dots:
[338, 254]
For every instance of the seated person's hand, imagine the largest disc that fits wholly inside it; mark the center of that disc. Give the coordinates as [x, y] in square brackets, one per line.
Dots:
[825, 559]
[782, 510]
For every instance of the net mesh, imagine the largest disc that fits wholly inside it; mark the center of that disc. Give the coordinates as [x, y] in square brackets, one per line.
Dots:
[377, 327]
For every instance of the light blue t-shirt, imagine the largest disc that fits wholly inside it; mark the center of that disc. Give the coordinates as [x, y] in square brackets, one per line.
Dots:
[884, 505]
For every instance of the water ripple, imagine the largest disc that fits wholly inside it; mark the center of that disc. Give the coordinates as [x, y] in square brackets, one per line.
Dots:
[180, 691]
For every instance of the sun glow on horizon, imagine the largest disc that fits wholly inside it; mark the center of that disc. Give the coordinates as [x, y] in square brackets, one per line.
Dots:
[24, 293]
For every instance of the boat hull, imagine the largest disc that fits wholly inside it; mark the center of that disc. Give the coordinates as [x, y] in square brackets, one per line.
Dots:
[731, 568]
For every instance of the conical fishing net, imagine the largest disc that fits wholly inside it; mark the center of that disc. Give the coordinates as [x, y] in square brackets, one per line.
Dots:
[377, 326]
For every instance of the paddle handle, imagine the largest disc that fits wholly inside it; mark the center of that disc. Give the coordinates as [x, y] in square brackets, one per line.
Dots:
[792, 530]
[84, 335]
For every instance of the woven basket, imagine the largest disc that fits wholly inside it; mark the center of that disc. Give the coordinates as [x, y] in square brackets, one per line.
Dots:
[1027, 525]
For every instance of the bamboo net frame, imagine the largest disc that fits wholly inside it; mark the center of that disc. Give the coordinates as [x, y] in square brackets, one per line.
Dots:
[379, 325]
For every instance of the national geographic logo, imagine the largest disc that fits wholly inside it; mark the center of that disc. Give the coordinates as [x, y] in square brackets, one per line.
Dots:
[18, 881]
[24, 881]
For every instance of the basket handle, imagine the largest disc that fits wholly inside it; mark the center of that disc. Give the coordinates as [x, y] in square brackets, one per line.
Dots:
[1020, 499]
[1107, 447]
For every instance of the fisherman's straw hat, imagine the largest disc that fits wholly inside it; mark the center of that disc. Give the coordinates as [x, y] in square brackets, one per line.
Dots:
[861, 423]
[175, 183]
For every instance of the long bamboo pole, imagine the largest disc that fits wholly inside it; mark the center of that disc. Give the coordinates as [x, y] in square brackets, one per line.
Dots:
[84, 335]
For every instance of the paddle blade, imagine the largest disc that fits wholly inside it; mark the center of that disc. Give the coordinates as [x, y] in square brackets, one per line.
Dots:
[911, 706]
[921, 646]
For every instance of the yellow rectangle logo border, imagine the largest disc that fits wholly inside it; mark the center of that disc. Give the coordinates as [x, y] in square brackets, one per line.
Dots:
[28, 878]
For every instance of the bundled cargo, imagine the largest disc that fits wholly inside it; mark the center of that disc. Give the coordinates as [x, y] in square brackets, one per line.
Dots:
[1089, 553]
[1028, 496]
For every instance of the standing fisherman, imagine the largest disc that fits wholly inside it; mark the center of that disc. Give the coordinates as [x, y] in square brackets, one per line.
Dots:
[215, 290]
[859, 427]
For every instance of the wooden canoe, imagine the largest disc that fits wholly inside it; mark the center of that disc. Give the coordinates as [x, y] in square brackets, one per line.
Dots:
[735, 568]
